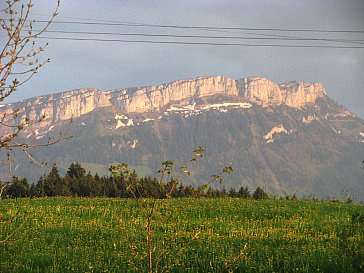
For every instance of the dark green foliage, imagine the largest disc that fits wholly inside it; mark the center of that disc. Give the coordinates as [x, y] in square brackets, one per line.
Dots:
[38, 189]
[65, 187]
[19, 187]
[77, 183]
[52, 182]
[244, 192]
[260, 194]
[76, 171]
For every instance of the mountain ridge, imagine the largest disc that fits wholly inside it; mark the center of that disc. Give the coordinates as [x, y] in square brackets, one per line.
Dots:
[288, 138]
[75, 103]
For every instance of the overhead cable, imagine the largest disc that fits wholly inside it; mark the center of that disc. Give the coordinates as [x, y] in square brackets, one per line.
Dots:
[206, 36]
[198, 43]
[199, 27]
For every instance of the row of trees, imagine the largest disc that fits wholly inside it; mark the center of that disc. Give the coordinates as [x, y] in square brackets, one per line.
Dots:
[76, 182]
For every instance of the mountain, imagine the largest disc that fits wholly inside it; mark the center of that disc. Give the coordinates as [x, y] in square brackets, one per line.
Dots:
[286, 137]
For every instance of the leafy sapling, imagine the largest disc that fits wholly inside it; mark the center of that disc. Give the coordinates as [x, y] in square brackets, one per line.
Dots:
[156, 213]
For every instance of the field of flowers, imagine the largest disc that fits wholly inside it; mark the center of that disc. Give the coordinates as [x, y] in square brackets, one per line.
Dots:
[206, 235]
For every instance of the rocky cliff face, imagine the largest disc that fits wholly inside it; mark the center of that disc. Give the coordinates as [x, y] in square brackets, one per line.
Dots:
[154, 98]
[63, 106]
[292, 94]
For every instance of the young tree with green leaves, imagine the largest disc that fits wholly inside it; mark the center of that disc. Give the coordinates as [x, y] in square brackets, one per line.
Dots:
[155, 212]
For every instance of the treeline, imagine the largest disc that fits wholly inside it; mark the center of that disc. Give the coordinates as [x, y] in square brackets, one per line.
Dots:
[76, 182]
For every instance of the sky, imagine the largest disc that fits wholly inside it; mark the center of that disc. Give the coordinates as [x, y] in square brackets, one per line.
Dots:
[114, 65]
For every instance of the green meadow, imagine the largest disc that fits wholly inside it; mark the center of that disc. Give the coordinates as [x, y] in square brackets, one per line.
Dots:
[68, 234]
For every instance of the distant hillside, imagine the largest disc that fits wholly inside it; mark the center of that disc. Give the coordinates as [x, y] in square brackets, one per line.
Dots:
[288, 137]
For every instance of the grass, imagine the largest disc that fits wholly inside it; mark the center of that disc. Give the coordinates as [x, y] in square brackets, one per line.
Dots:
[107, 235]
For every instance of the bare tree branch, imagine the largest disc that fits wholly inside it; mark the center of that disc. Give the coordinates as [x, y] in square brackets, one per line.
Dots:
[19, 62]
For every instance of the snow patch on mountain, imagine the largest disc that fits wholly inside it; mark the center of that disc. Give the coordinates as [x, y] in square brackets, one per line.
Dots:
[123, 121]
[279, 129]
[122, 124]
[336, 131]
[119, 124]
[120, 117]
[133, 143]
[193, 109]
[216, 106]
[309, 119]
[362, 135]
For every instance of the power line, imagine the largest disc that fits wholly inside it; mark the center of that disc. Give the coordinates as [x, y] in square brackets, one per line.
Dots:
[204, 28]
[130, 24]
[198, 43]
[207, 36]
[138, 23]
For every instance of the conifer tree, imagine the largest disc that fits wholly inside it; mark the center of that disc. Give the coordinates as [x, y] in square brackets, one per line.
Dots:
[260, 194]
[18, 188]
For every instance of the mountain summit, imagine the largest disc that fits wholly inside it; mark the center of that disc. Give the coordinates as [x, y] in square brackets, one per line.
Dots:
[63, 106]
[286, 137]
